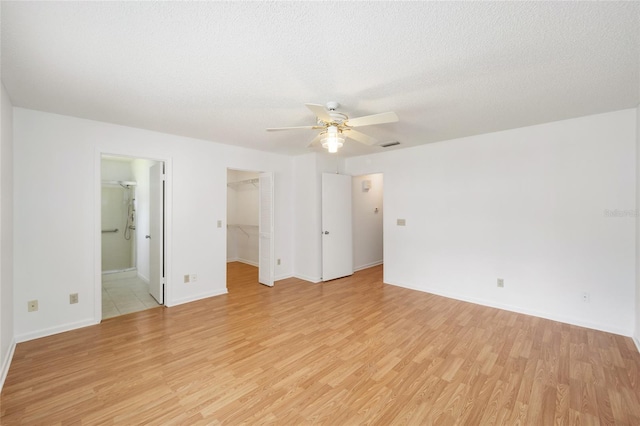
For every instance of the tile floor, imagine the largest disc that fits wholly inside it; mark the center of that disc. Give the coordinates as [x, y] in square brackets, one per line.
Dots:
[125, 295]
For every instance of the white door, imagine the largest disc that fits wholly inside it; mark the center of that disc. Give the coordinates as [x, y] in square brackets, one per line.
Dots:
[156, 232]
[337, 234]
[265, 246]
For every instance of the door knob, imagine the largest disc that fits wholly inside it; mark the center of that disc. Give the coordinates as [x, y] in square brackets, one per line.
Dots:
[148, 236]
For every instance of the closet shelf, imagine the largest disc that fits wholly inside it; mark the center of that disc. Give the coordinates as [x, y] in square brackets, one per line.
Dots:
[236, 185]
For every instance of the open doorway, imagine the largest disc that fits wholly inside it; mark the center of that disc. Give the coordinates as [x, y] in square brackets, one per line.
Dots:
[127, 215]
[367, 193]
[250, 227]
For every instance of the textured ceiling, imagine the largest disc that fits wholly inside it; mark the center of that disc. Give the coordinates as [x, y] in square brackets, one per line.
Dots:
[225, 71]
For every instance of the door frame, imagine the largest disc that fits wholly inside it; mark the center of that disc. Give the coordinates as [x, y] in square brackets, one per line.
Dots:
[273, 209]
[97, 220]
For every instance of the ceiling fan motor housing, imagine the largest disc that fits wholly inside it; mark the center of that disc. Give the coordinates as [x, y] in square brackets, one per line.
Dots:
[336, 118]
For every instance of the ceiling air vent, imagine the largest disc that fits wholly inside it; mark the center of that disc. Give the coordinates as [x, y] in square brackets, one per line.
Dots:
[388, 144]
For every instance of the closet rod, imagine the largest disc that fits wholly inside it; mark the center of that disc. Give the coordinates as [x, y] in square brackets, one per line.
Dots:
[245, 182]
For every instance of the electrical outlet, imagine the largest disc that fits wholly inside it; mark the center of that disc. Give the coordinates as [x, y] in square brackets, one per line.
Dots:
[585, 297]
[278, 262]
[186, 278]
[219, 224]
[32, 305]
[194, 278]
[73, 298]
[401, 222]
[500, 282]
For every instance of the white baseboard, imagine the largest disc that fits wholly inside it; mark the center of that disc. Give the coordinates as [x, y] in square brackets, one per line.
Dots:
[197, 297]
[283, 277]
[4, 369]
[367, 265]
[241, 260]
[636, 340]
[55, 330]
[143, 278]
[307, 278]
[114, 276]
[520, 310]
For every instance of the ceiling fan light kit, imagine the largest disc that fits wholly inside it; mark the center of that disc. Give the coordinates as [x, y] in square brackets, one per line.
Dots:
[336, 125]
[332, 139]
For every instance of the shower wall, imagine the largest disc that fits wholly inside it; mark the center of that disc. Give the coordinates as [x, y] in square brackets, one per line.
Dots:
[118, 253]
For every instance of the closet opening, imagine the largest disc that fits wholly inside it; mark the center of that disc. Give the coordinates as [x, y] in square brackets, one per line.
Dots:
[250, 258]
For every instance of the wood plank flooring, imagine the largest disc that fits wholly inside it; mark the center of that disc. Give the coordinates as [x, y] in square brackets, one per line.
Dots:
[350, 351]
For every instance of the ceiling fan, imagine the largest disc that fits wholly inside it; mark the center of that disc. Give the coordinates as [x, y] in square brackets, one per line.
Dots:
[334, 126]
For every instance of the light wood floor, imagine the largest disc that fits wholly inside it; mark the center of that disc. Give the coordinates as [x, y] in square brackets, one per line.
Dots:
[349, 351]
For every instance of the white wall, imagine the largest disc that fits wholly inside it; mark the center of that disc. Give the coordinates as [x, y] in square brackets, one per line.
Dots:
[7, 342]
[116, 169]
[51, 262]
[526, 205]
[307, 218]
[367, 221]
[637, 305]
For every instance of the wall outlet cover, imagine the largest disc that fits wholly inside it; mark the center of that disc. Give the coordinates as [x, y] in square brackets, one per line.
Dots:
[32, 305]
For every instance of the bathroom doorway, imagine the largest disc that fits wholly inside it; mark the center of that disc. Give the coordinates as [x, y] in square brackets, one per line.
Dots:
[125, 239]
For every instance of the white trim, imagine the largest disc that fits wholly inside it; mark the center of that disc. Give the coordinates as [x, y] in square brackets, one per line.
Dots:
[55, 330]
[114, 276]
[368, 265]
[196, 297]
[283, 277]
[511, 308]
[4, 370]
[306, 278]
[143, 278]
[245, 261]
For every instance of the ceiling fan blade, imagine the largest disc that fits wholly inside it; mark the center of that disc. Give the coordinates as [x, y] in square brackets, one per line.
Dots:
[360, 137]
[315, 142]
[273, 129]
[320, 112]
[367, 120]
